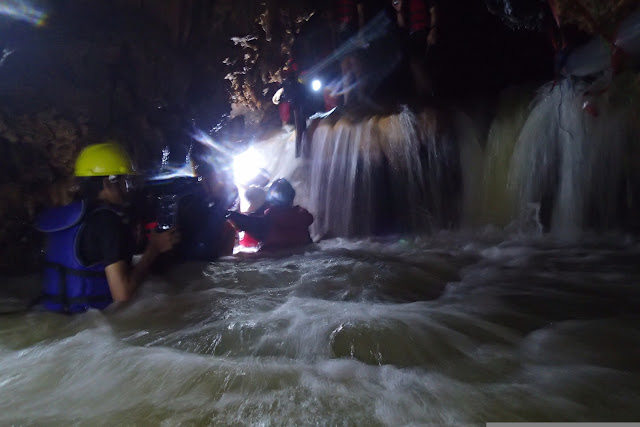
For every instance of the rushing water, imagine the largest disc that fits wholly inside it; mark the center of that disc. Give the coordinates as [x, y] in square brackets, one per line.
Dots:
[447, 329]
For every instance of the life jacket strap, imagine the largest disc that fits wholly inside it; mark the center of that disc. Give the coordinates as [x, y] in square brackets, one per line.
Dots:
[61, 297]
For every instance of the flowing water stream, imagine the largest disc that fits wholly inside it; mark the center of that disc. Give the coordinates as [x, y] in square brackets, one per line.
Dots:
[447, 329]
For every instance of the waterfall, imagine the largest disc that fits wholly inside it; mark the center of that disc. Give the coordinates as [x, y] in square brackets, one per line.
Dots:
[383, 173]
[498, 202]
[572, 163]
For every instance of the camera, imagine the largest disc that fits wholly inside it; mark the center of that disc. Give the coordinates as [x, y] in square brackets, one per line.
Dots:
[167, 210]
[156, 204]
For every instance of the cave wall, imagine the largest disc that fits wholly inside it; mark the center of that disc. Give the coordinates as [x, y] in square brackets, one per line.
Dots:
[132, 75]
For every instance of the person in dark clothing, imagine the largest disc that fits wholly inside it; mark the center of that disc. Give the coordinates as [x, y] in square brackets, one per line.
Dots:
[203, 226]
[90, 243]
[418, 20]
[283, 225]
[99, 243]
[206, 233]
[296, 99]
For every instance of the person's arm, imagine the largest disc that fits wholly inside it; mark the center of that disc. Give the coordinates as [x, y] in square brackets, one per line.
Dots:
[397, 5]
[124, 280]
[254, 225]
[432, 37]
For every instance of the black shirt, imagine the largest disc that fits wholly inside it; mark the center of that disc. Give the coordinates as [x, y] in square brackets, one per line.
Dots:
[105, 239]
[201, 222]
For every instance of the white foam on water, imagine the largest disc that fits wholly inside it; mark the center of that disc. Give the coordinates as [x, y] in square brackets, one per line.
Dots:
[443, 329]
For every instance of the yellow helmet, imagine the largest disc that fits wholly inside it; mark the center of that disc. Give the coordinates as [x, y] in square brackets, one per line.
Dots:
[104, 159]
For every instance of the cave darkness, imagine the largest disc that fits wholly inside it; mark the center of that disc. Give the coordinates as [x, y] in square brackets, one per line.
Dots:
[168, 56]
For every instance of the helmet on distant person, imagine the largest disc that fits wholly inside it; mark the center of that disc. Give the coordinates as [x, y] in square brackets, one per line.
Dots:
[281, 193]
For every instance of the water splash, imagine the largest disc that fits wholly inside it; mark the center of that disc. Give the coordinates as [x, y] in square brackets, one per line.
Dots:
[170, 172]
[165, 156]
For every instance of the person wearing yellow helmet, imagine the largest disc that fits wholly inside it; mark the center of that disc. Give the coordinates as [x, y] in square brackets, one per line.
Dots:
[90, 243]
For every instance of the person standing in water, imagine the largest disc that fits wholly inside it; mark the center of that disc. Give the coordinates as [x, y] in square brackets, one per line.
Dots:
[88, 261]
[283, 225]
[206, 233]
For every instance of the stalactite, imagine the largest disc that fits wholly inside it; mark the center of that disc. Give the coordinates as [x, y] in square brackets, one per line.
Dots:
[263, 54]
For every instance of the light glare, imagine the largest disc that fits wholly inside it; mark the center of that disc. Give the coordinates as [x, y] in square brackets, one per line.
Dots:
[246, 166]
[21, 10]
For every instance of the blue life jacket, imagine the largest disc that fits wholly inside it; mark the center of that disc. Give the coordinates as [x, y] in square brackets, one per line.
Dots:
[69, 286]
